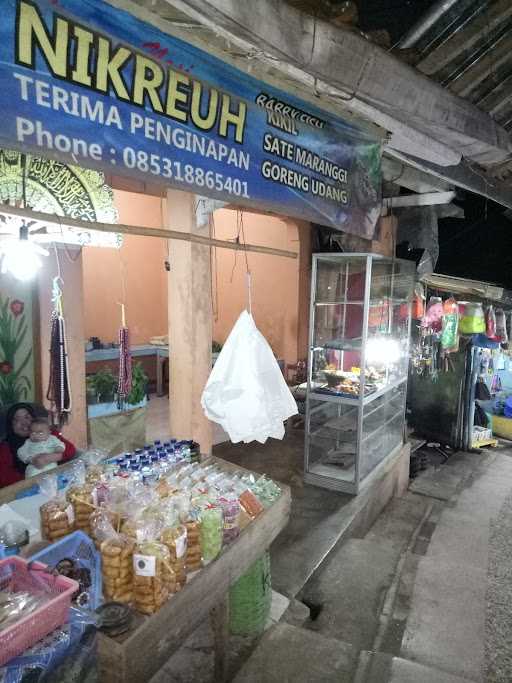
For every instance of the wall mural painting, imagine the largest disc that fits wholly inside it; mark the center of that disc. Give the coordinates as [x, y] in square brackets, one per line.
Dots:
[16, 342]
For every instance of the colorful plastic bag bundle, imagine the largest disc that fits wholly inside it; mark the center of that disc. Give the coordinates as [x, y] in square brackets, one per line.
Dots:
[250, 599]
[472, 320]
[450, 331]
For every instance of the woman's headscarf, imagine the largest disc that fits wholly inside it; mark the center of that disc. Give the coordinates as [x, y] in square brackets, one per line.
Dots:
[14, 440]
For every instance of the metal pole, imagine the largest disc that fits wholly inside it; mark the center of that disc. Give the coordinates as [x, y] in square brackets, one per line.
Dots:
[425, 23]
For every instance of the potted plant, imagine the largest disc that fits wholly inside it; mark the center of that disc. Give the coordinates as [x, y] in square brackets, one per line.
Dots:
[139, 385]
[102, 385]
[111, 427]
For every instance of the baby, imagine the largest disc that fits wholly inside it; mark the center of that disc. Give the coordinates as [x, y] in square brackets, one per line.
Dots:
[40, 441]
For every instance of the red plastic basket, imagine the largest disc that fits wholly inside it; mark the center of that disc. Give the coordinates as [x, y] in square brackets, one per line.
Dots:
[18, 574]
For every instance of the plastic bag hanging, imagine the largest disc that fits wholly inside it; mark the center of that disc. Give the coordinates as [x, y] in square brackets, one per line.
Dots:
[490, 322]
[501, 326]
[59, 389]
[246, 392]
[125, 362]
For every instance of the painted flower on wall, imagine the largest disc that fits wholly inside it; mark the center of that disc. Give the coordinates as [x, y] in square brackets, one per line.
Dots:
[5, 368]
[17, 307]
[16, 352]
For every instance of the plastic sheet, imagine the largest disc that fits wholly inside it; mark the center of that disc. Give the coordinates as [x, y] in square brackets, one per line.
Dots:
[66, 654]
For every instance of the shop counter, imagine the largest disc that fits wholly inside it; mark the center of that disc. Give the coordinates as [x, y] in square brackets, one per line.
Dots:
[136, 656]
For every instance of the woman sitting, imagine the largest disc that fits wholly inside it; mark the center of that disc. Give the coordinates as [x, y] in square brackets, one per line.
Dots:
[18, 421]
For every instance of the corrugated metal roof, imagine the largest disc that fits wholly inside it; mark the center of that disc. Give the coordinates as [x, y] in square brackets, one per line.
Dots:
[468, 49]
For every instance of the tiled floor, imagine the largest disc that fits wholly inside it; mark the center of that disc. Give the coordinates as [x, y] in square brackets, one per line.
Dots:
[157, 421]
[157, 418]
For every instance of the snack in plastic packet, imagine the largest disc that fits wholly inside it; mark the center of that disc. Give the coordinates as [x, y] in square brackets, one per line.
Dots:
[153, 576]
[211, 532]
[174, 537]
[501, 326]
[82, 496]
[450, 332]
[230, 504]
[57, 515]
[193, 556]
[93, 459]
[266, 490]
[117, 566]
[100, 521]
[490, 322]
[250, 505]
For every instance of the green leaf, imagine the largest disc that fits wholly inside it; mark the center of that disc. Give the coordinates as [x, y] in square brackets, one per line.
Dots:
[21, 321]
[21, 338]
[23, 365]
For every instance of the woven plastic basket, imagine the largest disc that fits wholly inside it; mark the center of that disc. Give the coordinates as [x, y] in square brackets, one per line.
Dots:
[250, 599]
[79, 547]
[17, 574]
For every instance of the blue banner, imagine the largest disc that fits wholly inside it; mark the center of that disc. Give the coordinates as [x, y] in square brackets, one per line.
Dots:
[88, 84]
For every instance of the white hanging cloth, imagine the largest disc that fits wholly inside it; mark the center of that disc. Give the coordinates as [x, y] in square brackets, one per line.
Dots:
[246, 392]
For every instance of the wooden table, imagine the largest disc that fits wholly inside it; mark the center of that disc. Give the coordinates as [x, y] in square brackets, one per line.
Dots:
[95, 358]
[136, 656]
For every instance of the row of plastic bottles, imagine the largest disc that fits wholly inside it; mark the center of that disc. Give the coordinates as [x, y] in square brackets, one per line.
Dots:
[148, 464]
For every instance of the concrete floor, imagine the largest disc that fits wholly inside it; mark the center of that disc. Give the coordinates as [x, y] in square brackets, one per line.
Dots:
[423, 596]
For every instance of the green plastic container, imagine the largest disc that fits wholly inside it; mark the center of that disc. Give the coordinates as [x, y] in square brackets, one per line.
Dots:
[250, 599]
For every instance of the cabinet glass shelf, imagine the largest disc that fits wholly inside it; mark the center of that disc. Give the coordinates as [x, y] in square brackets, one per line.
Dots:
[358, 365]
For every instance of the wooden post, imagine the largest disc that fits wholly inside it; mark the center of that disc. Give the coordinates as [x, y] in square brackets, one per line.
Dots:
[190, 323]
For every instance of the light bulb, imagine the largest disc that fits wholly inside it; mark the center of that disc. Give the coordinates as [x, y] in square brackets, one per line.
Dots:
[21, 258]
[382, 351]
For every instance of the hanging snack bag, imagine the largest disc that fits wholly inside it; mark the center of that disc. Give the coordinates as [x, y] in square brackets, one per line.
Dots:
[117, 565]
[57, 515]
[501, 326]
[211, 532]
[433, 317]
[450, 333]
[472, 320]
[490, 322]
[174, 537]
[153, 576]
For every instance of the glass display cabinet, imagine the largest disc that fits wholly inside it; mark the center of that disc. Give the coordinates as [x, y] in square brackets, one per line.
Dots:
[358, 364]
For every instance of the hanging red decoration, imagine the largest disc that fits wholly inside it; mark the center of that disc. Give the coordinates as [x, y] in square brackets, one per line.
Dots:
[125, 363]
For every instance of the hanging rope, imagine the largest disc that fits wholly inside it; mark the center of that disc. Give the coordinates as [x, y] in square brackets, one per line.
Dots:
[59, 388]
[247, 270]
[124, 384]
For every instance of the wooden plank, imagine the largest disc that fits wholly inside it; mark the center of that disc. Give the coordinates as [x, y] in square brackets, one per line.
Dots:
[136, 656]
[140, 230]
